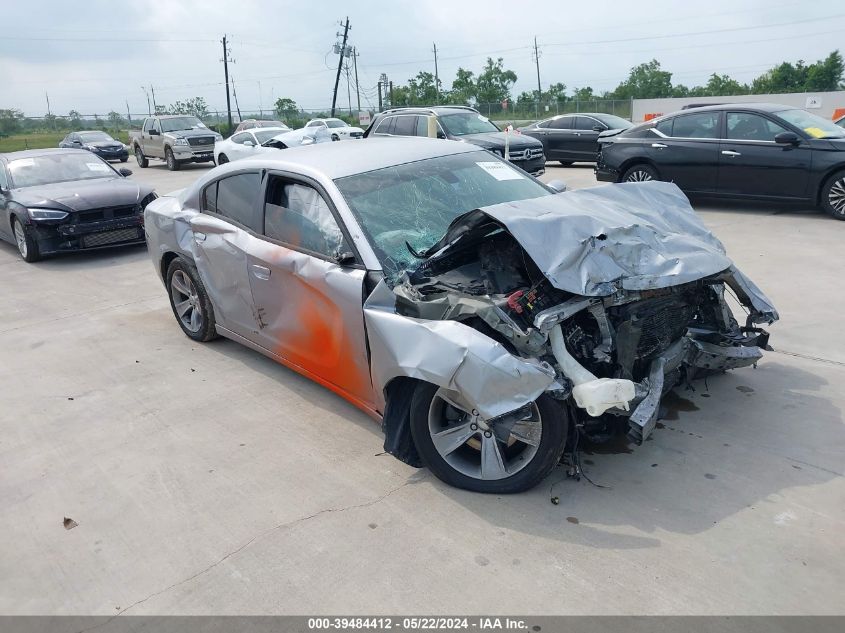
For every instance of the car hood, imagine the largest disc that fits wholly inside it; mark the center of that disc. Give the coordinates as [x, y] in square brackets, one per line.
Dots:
[490, 140]
[82, 195]
[595, 242]
[104, 144]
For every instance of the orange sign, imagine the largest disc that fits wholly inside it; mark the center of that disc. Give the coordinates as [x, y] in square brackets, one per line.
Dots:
[652, 115]
[838, 113]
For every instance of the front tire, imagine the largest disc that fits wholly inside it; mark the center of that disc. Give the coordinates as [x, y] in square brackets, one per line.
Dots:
[172, 163]
[833, 195]
[335, 137]
[142, 160]
[222, 159]
[189, 301]
[27, 246]
[454, 446]
[640, 173]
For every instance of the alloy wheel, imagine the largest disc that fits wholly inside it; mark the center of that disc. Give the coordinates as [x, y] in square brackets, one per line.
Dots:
[836, 196]
[640, 175]
[478, 450]
[20, 239]
[186, 301]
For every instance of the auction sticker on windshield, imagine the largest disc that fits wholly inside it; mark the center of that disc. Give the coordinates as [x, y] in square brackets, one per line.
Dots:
[98, 167]
[500, 171]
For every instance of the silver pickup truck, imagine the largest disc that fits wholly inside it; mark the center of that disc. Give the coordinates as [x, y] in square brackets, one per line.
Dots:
[174, 138]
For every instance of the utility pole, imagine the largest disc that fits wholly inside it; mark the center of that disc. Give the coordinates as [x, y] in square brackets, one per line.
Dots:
[237, 105]
[357, 87]
[128, 115]
[383, 86]
[147, 95]
[539, 88]
[340, 63]
[348, 89]
[436, 78]
[381, 107]
[225, 61]
[153, 91]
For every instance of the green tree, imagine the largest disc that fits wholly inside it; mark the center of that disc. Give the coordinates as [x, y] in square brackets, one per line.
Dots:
[422, 89]
[195, 106]
[286, 108]
[464, 88]
[10, 121]
[494, 82]
[646, 81]
[826, 75]
[115, 120]
[75, 120]
[555, 93]
[583, 94]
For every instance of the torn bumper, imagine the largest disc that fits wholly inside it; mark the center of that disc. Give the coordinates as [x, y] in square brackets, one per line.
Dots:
[693, 355]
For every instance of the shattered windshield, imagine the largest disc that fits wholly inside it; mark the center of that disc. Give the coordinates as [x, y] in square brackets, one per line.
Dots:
[416, 202]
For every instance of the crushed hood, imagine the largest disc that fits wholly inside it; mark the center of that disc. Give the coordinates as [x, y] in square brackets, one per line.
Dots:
[82, 195]
[593, 242]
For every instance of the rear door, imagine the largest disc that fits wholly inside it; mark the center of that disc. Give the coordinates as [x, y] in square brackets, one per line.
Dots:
[586, 132]
[686, 150]
[752, 164]
[222, 235]
[309, 306]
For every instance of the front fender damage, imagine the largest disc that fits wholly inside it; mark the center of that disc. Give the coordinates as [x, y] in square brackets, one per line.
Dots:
[477, 371]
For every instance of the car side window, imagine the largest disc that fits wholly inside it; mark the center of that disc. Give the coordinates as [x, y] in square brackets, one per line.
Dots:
[585, 123]
[665, 127]
[4, 180]
[235, 198]
[241, 137]
[563, 123]
[701, 125]
[747, 126]
[405, 126]
[298, 215]
[385, 125]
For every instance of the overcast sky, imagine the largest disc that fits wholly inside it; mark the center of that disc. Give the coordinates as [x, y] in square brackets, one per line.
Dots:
[94, 56]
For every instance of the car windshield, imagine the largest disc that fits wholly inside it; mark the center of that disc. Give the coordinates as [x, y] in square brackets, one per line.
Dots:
[270, 124]
[265, 135]
[336, 123]
[462, 123]
[416, 202]
[614, 122]
[93, 137]
[814, 125]
[50, 168]
[181, 123]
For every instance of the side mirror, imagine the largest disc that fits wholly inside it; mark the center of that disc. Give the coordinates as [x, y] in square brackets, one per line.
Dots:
[599, 128]
[125, 172]
[558, 185]
[787, 138]
[249, 144]
[345, 258]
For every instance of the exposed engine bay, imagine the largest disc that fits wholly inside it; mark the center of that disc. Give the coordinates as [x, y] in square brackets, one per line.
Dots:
[614, 355]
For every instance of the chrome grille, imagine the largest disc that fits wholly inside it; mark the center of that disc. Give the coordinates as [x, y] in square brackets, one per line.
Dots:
[197, 141]
[110, 237]
[526, 154]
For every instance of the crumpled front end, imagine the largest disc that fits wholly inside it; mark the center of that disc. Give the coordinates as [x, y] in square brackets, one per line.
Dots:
[606, 325]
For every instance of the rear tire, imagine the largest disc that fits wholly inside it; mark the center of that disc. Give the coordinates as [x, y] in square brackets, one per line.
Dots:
[27, 246]
[123, 160]
[143, 161]
[530, 463]
[172, 163]
[833, 195]
[641, 172]
[189, 301]
[222, 160]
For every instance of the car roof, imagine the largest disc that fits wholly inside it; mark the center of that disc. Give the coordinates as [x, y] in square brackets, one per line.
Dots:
[748, 106]
[337, 160]
[32, 153]
[430, 109]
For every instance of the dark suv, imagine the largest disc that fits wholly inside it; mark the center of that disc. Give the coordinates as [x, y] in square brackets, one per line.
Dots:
[460, 123]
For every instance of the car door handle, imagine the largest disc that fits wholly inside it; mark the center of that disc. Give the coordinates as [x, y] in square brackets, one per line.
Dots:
[659, 146]
[199, 237]
[731, 153]
[260, 272]
[577, 133]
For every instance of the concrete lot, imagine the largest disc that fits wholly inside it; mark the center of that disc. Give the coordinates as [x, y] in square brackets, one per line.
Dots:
[208, 479]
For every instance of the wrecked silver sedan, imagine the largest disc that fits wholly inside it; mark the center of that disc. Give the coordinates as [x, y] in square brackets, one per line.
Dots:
[486, 319]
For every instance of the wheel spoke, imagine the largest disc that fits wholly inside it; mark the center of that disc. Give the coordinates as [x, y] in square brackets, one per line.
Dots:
[492, 462]
[195, 320]
[182, 307]
[527, 431]
[448, 441]
[178, 282]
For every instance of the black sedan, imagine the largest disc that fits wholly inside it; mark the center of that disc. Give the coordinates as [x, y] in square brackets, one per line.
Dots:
[97, 142]
[749, 150]
[57, 200]
[574, 137]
